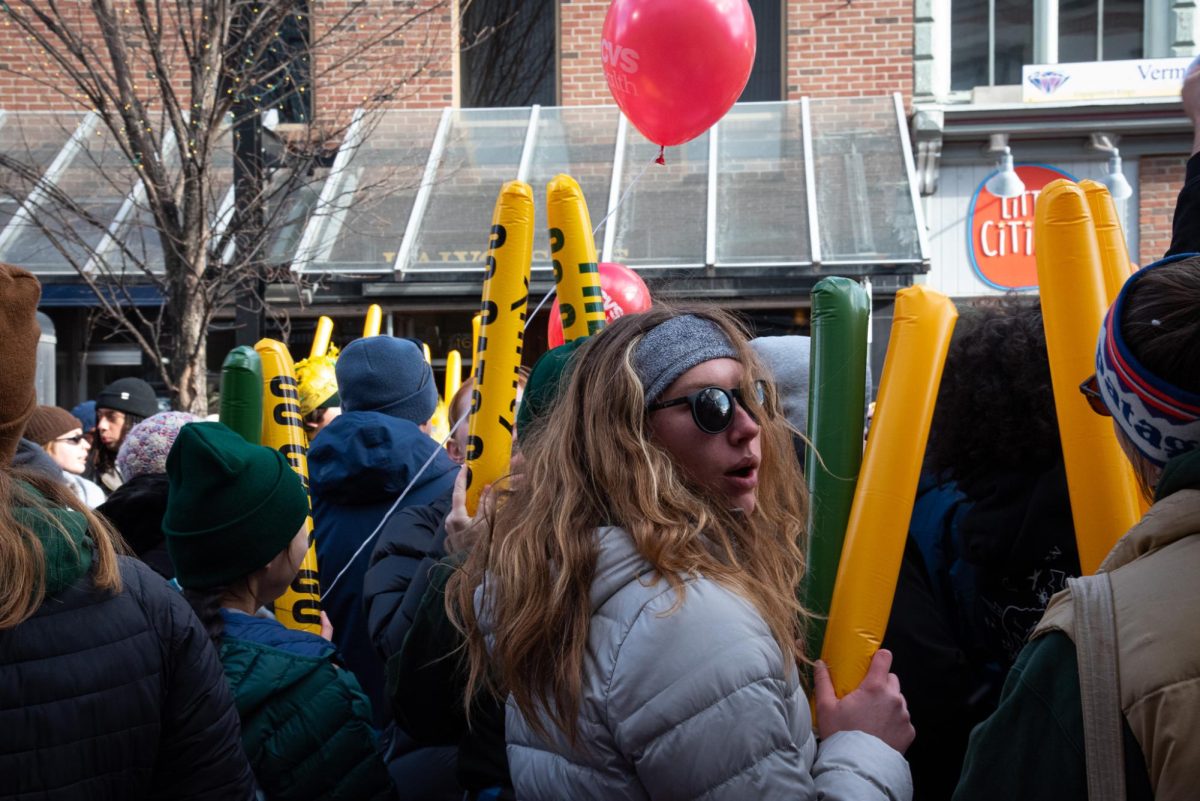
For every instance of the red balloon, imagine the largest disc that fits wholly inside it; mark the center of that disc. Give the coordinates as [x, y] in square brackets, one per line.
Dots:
[623, 290]
[676, 66]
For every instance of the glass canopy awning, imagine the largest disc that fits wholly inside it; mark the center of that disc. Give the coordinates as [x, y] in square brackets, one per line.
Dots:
[805, 183]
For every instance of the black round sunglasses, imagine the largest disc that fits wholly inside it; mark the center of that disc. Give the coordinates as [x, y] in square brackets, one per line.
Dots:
[712, 407]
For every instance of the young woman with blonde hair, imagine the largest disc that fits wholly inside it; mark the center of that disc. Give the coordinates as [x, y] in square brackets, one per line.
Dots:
[636, 597]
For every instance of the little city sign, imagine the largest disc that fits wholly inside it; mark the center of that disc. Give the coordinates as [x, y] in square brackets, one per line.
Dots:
[1000, 230]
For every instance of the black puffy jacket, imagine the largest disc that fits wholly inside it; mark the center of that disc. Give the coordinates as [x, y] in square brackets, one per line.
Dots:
[117, 697]
[410, 544]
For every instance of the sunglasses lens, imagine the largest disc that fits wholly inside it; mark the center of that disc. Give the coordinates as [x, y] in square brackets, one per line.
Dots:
[712, 410]
[1091, 390]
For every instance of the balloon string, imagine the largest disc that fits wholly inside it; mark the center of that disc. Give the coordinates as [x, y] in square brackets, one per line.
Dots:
[459, 421]
[662, 155]
[625, 194]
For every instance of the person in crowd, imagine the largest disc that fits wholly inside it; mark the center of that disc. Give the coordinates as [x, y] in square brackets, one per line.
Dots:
[404, 592]
[138, 505]
[119, 407]
[359, 467]
[460, 407]
[110, 686]
[236, 534]
[992, 536]
[85, 413]
[62, 437]
[1140, 623]
[634, 597]
[316, 380]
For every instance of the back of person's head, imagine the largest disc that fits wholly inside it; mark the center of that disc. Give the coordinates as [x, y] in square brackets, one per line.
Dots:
[41, 520]
[593, 462]
[386, 375]
[316, 381]
[147, 444]
[86, 413]
[231, 506]
[995, 405]
[1148, 364]
[787, 359]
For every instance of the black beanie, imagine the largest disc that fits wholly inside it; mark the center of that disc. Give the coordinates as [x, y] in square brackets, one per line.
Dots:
[130, 395]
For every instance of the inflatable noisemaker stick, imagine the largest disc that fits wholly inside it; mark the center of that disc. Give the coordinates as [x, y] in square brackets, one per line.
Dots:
[1114, 255]
[887, 484]
[475, 320]
[242, 393]
[374, 321]
[1104, 495]
[836, 399]
[283, 429]
[320, 345]
[573, 249]
[501, 335]
[453, 377]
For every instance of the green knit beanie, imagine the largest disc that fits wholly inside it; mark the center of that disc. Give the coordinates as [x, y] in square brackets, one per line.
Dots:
[549, 377]
[231, 506]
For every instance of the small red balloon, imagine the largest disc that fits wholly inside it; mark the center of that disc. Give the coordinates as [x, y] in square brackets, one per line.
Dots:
[676, 66]
[623, 290]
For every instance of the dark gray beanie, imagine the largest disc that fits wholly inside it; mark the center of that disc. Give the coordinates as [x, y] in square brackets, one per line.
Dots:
[670, 349]
[386, 375]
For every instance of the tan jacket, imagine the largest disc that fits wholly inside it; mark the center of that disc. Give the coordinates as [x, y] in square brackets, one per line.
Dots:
[1155, 574]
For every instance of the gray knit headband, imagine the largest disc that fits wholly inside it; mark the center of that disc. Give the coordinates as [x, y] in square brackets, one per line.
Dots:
[670, 349]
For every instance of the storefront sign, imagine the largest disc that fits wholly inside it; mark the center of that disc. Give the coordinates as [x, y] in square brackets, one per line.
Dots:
[1103, 80]
[1000, 230]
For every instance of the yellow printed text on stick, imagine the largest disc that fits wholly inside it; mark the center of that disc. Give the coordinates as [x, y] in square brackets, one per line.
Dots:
[283, 429]
[573, 248]
[501, 337]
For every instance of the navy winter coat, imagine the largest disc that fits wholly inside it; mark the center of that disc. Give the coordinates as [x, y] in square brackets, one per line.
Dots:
[358, 466]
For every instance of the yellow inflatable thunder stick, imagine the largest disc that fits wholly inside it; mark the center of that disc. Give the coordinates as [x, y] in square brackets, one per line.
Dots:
[374, 321]
[887, 484]
[1104, 494]
[475, 321]
[283, 430]
[502, 334]
[1114, 255]
[453, 377]
[320, 345]
[573, 249]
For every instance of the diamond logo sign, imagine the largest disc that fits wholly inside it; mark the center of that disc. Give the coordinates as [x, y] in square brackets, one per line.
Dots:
[1048, 81]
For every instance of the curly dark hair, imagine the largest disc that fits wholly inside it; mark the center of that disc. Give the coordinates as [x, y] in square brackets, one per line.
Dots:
[995, 405]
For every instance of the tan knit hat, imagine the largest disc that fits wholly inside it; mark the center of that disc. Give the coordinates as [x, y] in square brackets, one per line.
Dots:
[19, 334]
[48, 423]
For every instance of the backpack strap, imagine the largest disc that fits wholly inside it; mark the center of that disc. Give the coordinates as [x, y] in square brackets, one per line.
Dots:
[1099, 686]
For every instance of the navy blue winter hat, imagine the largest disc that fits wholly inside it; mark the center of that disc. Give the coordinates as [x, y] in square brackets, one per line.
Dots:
[387, 375]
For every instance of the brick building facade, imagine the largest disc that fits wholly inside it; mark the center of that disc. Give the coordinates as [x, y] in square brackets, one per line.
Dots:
[827, 50]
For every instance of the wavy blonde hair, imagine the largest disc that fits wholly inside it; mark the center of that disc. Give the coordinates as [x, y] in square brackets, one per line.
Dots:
[22, 557]
[593, 462]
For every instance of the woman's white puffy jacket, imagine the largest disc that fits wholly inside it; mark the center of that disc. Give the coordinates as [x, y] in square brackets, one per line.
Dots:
[695, 703]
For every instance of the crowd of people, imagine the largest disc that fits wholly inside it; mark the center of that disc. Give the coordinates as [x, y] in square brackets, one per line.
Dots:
[619, 619]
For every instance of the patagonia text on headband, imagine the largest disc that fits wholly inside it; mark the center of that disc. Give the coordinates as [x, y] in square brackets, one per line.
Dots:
[1161, 420]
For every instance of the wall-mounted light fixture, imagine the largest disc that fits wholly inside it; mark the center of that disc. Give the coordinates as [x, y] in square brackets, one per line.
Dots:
[1005, 182]
[1115, 180]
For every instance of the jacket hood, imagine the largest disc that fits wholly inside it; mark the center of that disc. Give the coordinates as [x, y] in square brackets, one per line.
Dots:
[368, 457]
[66, 546]
[136, 508]
[32, 456]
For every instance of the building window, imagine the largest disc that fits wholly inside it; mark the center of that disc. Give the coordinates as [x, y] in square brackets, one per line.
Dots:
[766, 77]
[508, 53]
[992, 39]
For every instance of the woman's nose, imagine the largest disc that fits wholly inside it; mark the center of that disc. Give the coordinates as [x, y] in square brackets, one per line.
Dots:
[744, 426]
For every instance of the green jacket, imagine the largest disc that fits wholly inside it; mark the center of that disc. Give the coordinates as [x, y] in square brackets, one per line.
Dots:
[1032, 747]
[306, 725]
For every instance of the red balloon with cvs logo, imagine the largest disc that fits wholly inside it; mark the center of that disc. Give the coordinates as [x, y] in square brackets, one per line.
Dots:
[676, 66]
